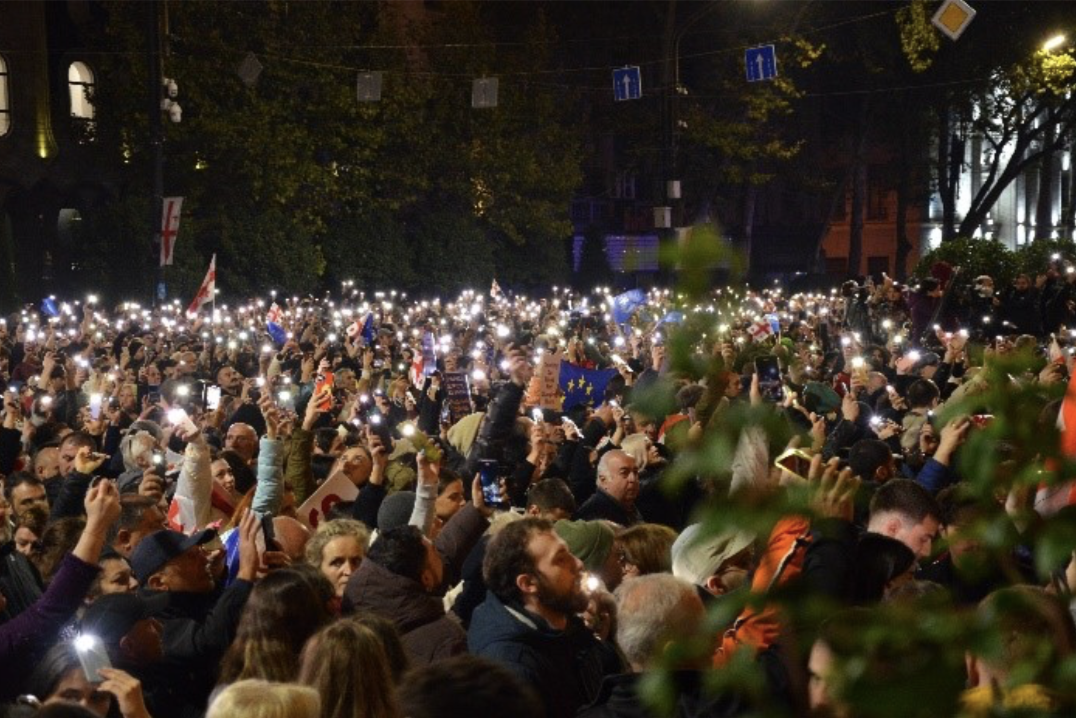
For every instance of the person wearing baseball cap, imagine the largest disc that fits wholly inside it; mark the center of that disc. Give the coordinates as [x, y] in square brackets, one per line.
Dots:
[198, 623]
[170, 561]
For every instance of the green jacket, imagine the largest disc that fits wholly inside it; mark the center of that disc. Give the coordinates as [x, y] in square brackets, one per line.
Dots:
[297, 472]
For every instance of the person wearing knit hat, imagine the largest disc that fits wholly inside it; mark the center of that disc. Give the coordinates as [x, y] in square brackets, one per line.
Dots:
[716, 563]
[593, 543]
[395, 510]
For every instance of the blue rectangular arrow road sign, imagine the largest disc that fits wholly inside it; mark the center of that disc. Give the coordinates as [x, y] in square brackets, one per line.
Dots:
[761, 63]
[627, 83]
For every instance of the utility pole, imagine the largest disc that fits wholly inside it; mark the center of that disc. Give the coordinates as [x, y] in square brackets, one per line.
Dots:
[671, 192]
[156, 139]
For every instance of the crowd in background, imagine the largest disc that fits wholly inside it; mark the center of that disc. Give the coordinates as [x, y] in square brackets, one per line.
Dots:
[175, 541]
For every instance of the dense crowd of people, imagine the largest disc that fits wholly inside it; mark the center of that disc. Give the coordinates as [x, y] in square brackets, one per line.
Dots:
[376, 506]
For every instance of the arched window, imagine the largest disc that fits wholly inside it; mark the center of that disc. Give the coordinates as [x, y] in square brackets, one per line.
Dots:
[80, 82]
[5, 107]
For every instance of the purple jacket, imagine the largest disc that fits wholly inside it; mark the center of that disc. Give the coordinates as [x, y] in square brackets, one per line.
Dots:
[25, 638]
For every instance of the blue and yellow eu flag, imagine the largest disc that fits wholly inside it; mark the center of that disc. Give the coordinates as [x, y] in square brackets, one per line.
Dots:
[583, 386]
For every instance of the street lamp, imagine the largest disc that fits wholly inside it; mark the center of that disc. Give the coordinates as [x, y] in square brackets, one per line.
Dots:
[1053, 43]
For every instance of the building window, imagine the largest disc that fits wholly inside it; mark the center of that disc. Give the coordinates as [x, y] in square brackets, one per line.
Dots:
[625, 186]
[837, 266]
[5, 108]
[877, 194]
[80, 83]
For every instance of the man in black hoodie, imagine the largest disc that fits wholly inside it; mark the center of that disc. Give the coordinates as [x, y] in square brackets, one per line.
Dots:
[529, 620]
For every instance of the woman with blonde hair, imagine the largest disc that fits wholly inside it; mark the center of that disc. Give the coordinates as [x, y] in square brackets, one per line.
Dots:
[347, 665]
[337, 548]
[262, 699]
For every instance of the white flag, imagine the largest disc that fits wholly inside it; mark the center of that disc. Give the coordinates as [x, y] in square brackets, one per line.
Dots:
[170, 207]
[207, 290]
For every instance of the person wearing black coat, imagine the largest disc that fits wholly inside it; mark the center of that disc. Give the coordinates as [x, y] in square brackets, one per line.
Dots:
[1020, 308]
[430, 402]
[500, 418]
[529, 622]
[198, 621]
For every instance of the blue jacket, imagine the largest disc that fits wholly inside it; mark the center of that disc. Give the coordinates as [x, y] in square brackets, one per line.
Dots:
[565, 667]
[934, 476]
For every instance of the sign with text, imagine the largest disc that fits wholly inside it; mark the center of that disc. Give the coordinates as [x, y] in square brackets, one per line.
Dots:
[457, 395]
[336, 488]
[549, 374]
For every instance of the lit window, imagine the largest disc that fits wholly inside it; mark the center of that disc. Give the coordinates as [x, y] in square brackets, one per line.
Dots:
[80, 82]
[5, 108]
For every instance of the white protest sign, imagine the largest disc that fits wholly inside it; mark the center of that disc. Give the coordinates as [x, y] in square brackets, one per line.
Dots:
[336, 488]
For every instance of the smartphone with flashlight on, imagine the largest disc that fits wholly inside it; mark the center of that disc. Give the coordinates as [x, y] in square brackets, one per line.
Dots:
[92, 656]
[181, 420]
[95, 406]
[489, 477]
[212, 397]
[380, 427]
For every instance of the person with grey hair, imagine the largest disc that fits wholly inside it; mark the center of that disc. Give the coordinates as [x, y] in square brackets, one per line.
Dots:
[655, 612]
[618, 489]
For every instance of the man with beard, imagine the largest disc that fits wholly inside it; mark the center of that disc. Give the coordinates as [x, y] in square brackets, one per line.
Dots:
[528, 621]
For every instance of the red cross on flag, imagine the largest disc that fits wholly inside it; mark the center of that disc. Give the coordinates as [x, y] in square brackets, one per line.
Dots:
[760, 330]
[169, 227]
[208, 289]
[274, 313]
